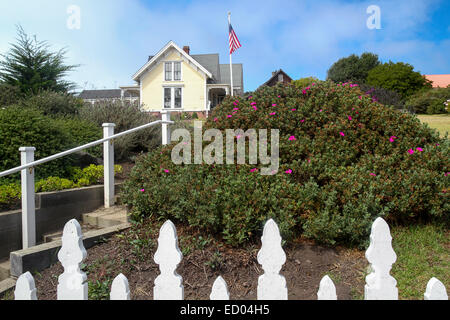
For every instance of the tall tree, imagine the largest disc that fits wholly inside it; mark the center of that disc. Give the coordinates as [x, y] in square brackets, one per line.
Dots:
[30, 66]
[399, 77]
[353, 68]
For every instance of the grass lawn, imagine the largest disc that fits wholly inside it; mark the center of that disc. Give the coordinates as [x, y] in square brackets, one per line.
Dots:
[441, 122]
[422, 252]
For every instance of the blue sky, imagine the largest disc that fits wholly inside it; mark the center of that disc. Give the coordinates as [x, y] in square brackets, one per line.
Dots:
[303, 37]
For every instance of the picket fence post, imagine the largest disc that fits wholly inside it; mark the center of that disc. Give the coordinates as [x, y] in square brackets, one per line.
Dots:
[219, 290]
[168, 285]
[108, 164]
[435, 290]
[271, 285]
[25, 287]
[120, 290]
[380, 285]
[327, 290]
[72, 283]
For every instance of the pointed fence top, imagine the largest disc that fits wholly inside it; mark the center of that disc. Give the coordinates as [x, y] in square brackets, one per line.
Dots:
[435, 290]
[120, 289]
[168, 252]
[219, 290]
[72, 250]
[380, 251]
[25, 287]
[327, 290]
[271, 256]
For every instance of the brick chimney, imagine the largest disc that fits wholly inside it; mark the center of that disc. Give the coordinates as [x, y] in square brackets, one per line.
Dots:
[186, 49]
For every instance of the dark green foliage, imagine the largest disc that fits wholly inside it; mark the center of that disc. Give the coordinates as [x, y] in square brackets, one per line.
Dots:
[53, 103]
[429, 101]
[338, 185]
[399, 77]
[30, 66]
[24, 127]
[353, 68]
[9, 95]
[383, 96]
[125, 116]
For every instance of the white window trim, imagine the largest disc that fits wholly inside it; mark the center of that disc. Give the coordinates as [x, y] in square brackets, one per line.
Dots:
[173, 70]
[172, 97]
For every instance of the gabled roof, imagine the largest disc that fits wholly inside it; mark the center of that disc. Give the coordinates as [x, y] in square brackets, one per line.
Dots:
[275, 75]
[439, 80]
[210, 62]
[169, 45]
[237, 74]
[100, 94]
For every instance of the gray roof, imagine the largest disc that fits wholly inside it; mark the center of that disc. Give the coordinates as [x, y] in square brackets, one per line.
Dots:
[100, 94]
[210, 62]
[237, 75]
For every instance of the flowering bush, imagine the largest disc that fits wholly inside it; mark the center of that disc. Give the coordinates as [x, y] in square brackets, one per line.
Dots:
[345, 159]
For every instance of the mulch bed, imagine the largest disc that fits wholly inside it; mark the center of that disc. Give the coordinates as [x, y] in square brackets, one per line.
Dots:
[131, 253]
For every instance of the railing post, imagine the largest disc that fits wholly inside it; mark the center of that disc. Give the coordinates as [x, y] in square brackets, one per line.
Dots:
[165, 116]
[28, 198]
[108, 164]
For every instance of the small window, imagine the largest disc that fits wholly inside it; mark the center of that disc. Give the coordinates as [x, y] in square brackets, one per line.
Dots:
[280, 77]
[177, 70]
[177, 97]
[167, 98]
[168, 71]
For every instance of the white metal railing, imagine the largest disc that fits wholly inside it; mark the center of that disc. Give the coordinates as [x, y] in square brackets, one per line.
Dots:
[27, 171]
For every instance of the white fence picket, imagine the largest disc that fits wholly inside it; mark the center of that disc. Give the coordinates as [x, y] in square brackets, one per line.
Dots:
[435, 290]
[120, 290]
[25, 287]
[219, 290]
[327, 290]
[72, 283]
[271, 285]
[168, 285]
[380, 285]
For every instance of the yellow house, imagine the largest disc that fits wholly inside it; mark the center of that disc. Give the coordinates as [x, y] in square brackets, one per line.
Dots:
[176, 80]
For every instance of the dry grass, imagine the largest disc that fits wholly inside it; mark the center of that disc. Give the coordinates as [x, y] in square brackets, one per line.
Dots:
[440, 122]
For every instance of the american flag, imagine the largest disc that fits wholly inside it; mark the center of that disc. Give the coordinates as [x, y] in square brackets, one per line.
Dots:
[232, 38]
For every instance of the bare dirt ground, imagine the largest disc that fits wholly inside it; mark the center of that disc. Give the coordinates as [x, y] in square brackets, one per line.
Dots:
[205, 258]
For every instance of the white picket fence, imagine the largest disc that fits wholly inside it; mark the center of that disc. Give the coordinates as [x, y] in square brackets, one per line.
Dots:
[72, 285]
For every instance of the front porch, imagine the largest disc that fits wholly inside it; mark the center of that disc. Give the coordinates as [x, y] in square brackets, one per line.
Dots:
[216, 93]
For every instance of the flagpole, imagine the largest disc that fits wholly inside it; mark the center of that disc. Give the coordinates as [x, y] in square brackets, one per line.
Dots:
[231, 63]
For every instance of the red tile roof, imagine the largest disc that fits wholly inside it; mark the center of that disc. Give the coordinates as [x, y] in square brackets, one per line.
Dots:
[439, 80]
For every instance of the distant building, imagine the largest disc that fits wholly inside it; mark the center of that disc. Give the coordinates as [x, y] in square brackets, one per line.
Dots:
[439, 80]
[277, 77]
[129, 93]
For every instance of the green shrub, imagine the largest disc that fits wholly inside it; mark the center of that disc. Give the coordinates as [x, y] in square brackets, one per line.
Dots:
[9, 196]
[422, 101]
[53, 184]
[53, 103]
[338, 185]
[305, 82]
[9, 94]
[125, 116]
[383, 96]
[20, 127]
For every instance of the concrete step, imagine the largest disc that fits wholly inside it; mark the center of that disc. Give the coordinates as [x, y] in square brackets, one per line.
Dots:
[92, 217]
[5, 268]
[110, 220]
[57, 235]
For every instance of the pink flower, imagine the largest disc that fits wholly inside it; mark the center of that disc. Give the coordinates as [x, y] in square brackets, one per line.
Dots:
[273, 113]
[234, 103]
[294, 109]
[254, 107]
[411, 151]
[342, 134]
[234, 112]
[238, 136]
[353, 108]
[166, 171]
[292, 138]
[359, 97]
[274, 104]
[250, 97]
[252, 103]
[304, 91]
[288, 171]
[141, 190]
[372, 174]
[350, 118]
[356, 112]
[254, 169]
[309, 160]
[235, 108]
[279, 96]
[320, 110]
[446, 174]
[419, 149]
[313, 84]
[229, 116]
[392, 138]
[215, 119]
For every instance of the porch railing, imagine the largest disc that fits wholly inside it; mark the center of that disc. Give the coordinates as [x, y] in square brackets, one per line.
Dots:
[28, 164]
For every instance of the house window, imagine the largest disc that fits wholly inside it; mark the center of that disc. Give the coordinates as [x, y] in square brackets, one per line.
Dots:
[280, 77]
[168, 71]
[173, 98]
[172, 71]
[177, 70]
